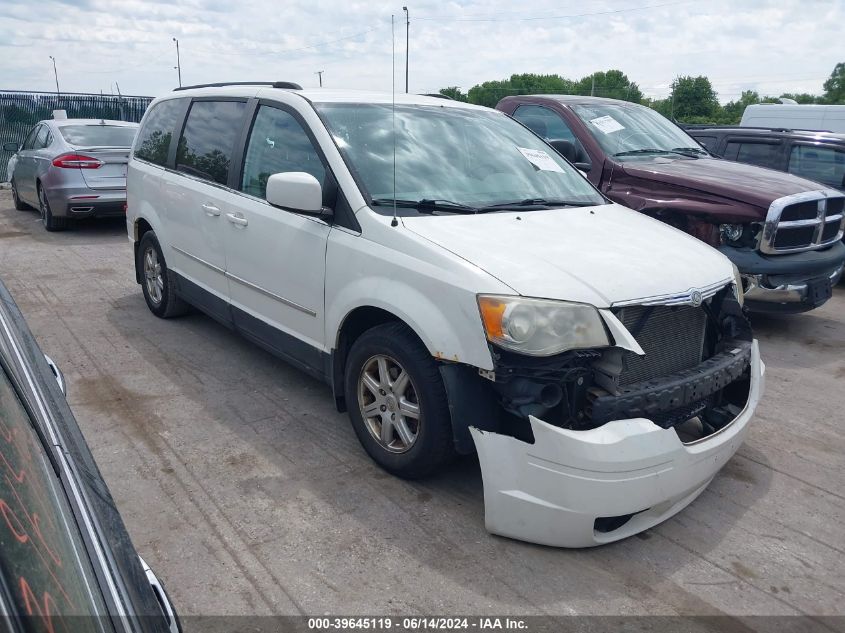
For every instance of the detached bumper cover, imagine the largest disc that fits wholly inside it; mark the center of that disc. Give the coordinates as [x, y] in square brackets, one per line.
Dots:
[551, 492]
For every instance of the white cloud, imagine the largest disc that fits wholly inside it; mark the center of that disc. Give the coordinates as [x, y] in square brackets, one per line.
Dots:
[772, 46]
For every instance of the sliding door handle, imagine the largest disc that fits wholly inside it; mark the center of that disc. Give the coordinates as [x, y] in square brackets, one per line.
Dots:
[210, 209]
[237, 219]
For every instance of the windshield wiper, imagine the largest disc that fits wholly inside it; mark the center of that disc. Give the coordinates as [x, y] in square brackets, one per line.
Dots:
[694, 151]
[654, 150]
[538, 203]
[426, 205]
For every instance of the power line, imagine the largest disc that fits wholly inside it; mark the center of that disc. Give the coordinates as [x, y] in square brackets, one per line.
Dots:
[287, 50]
[553, 17]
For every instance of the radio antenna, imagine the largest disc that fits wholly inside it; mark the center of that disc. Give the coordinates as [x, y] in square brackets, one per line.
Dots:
[394, 221]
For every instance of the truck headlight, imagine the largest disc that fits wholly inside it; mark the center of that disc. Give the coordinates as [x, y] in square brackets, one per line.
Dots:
[730, 232]
[739, 291]
[539, 327]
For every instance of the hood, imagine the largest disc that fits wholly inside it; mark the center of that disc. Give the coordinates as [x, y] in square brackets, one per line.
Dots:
[597, 255]
[750, 184]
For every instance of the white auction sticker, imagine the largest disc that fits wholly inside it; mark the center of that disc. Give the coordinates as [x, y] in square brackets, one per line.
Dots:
[540, 159]
[607, 124]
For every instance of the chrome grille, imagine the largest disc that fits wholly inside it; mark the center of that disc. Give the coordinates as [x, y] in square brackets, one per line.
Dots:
[803, 222]
[672, 338]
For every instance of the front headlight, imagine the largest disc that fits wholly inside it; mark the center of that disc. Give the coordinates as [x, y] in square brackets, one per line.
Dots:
[539, 327]
[730, 232]
[738, 289]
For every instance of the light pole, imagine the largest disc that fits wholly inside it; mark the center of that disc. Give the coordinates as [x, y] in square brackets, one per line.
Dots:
[407, 33]
[55, 74]
[178, 65]
[319, 73]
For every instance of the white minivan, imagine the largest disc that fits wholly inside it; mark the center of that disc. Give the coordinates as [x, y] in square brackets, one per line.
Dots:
[461, 287]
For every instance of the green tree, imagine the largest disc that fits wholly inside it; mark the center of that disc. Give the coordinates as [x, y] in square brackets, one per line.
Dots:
[731, 112]
[490, 92]
[834, 87]
[453, 92]
[801, 97]
[693, 100]
[613, 84]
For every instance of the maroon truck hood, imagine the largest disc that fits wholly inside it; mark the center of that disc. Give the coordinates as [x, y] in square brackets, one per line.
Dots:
[745, 183]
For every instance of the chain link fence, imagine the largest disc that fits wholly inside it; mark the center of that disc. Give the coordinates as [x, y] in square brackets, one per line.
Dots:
[19, 111]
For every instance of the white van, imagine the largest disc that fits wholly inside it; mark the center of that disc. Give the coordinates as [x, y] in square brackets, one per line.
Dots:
[830, 118]
[460, 286]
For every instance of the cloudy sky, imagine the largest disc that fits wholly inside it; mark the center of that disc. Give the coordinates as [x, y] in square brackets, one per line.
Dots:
[772, 46]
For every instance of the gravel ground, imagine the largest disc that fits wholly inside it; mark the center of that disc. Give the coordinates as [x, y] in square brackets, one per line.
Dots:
[248, 493]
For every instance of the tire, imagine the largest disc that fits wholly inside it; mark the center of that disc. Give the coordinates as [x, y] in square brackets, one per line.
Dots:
[50, 222]
[20, 205]
[431, 445]
[156, 281]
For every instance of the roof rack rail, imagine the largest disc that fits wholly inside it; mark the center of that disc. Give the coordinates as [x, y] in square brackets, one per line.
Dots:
[706, 126]
[288, 85]
[436, 95]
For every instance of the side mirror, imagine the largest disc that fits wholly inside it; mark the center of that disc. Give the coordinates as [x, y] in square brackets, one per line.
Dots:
[296, 191]
[11, 147]
[566, 149]
[585, 167]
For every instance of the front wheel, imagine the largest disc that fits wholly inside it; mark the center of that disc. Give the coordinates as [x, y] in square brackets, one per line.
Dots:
[156, 284]
[20, 205]
[397, 402]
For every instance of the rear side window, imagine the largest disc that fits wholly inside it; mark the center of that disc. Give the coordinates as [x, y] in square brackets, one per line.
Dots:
[208, 140]
[153, 142]
[99, 135]
[277, 144]
[761, 154]
[41, 138]
[822, 164]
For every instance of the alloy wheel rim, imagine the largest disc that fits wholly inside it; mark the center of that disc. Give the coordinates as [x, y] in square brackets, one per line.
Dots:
[152, 275]
[42, 206]
[389, 404]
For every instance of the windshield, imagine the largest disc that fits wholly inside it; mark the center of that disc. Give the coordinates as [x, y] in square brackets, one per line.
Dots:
[99, 135]
[460, 156]
[43, 564]
[630, 129]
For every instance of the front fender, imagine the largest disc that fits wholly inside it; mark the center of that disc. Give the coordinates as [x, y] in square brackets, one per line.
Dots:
[450, 328]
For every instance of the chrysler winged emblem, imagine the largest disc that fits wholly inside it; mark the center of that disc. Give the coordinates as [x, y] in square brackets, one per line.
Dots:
[695, 298]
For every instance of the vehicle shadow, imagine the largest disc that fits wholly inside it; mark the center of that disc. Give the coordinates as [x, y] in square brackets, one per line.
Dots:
[266, 440]
[28, 222]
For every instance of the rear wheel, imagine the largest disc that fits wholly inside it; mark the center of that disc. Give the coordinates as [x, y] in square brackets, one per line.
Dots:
[397, 402]
[20, 205]
[51, 222]
[157, 286]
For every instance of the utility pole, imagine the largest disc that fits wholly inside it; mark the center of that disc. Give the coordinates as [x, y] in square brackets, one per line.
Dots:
[593, 88]
[178, 65]
[55, 74]
[319, 73]
[407, 34]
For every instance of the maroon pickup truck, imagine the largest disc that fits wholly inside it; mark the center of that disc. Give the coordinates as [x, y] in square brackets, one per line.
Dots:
[783, 233]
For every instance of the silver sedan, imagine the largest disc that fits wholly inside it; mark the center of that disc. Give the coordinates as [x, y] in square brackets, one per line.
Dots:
[72, 168]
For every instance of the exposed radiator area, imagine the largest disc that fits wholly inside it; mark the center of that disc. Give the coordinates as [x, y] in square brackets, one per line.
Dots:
[671, 336]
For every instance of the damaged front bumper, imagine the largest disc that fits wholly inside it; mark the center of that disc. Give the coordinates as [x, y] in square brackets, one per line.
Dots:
[585, 488]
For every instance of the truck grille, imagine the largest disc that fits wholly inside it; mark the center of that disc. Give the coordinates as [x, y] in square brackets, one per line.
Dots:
[803, 222]
[672, 338]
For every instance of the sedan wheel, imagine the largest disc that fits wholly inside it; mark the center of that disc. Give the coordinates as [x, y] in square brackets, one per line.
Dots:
[20, 205]
[389, 405]
[51, 222]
